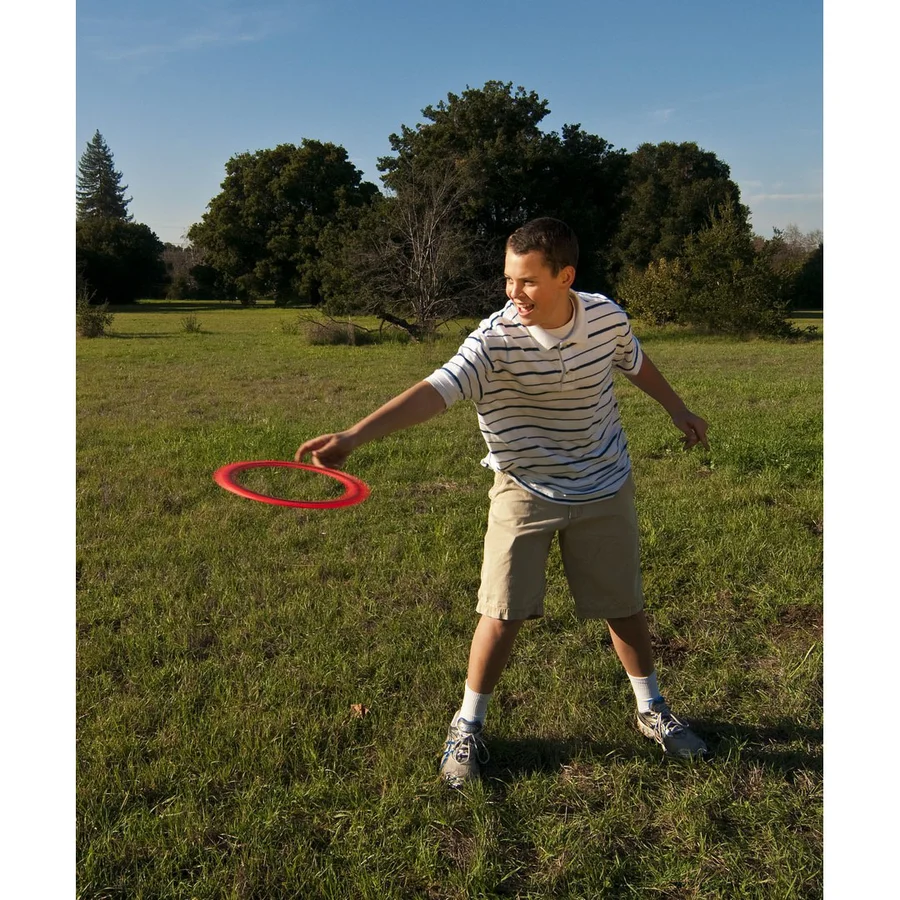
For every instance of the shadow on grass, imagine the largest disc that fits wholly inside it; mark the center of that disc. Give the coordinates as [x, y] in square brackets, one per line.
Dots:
[139, 335]
[177, 306]
[168, 306]
[513, 758]
[777, 747]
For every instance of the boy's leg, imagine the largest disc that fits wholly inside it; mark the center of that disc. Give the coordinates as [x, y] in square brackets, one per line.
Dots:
[520, 530]
[601, 555]
[631, 641]
[492, 644]
[464, 750]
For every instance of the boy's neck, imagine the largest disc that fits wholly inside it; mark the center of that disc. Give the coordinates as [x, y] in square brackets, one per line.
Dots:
[568, 318]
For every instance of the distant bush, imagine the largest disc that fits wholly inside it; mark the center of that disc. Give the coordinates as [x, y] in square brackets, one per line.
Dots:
[719, 284]
[91, 320]
[288, 326]
[180, 288]
[655, 295]
[330, 333]
[334, 332]
[190, 324]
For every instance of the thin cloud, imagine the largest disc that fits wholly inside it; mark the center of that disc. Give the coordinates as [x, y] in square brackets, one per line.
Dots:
[184, 43]
[662, 115]
[218, 28]
[763, 198]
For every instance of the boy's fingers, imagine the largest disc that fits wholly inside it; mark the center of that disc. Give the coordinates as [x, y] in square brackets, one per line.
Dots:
[700, 430]
[694, 433]
[311, 447]
[695, 428]
[334, 463]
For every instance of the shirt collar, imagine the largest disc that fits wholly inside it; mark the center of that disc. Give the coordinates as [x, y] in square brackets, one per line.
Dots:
[578, 334]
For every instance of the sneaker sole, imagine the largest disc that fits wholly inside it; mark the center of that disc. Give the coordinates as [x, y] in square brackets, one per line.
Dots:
[453, 781]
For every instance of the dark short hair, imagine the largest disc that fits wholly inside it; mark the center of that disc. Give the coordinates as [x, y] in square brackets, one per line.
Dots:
[551, 237]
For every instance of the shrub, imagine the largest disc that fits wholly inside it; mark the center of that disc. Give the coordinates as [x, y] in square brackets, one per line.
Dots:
[289, 327]
[731, 287]
[191, 324]
[91, 320]
[719, 284]
[332, 333]
[658, 294]
[179, 288]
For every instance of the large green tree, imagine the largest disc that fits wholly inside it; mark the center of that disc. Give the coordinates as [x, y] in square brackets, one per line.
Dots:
[514, 171]
[99, 191]
[672, 191]
[584, 185]
[492, 134]
[262, 231]
[118, 261]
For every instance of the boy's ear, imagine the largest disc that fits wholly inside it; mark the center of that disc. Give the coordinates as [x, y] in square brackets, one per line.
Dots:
[567, 274]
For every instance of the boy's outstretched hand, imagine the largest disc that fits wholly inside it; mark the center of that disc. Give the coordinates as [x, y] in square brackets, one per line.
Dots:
[328, 450]
[418, 404]
[694, 428]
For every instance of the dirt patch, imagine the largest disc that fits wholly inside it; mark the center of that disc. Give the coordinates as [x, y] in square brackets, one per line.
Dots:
[806, 618]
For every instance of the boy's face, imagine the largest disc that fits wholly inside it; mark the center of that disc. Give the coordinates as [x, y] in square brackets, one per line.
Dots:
[541, 297]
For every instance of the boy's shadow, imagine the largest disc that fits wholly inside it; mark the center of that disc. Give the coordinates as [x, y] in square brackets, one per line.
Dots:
[781, 747]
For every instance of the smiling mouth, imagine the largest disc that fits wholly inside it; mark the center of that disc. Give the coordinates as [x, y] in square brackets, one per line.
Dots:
[525, 309]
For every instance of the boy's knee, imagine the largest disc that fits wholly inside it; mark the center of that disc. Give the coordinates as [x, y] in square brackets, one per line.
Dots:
[500, 626]
[625, 620]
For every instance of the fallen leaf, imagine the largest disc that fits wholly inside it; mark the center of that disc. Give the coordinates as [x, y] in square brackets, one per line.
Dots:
[358, 710]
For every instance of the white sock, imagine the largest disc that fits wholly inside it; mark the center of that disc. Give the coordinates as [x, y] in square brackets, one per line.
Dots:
[646, 690]
[474, 706]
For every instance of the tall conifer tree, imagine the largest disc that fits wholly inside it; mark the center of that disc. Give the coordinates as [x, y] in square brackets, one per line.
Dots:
[100, 191]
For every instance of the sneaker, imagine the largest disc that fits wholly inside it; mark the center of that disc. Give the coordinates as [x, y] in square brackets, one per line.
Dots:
[670, 733]
[464, 753]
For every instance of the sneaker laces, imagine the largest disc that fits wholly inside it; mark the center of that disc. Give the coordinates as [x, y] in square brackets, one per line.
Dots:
[664, 721]
[466, 742]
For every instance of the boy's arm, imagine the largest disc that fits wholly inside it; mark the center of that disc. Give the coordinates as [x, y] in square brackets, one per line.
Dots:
[420, 403]
[650, 380]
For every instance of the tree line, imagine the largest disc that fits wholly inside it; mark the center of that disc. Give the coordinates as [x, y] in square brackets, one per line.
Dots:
[662, 229]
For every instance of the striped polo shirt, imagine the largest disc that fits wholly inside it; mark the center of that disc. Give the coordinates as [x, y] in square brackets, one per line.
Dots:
[546, 407]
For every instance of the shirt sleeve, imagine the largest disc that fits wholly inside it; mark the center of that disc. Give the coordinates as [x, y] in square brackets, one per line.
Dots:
[466, 375]
[628, 355]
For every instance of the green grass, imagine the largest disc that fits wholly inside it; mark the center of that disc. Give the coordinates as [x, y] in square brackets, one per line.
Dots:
[223, 643]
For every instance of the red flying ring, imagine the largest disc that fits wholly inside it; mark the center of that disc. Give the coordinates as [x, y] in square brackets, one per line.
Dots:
[356, 490]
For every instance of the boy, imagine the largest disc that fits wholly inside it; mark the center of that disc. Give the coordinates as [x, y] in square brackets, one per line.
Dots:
[540, 372]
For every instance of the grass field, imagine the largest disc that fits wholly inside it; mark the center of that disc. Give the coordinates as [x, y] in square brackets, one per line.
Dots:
[225, 647]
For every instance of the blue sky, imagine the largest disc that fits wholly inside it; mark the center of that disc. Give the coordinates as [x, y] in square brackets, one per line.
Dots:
[177, 89]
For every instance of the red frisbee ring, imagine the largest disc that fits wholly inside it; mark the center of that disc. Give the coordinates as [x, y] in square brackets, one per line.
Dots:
[355, 490]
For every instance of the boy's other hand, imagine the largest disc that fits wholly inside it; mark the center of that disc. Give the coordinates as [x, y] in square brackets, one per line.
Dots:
[327, 450]
[694, 429]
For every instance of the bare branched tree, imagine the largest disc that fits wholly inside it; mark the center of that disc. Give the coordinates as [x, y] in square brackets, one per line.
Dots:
[411, 262]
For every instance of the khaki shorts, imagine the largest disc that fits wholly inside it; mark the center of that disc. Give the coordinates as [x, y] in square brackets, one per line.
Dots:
[598, 542]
